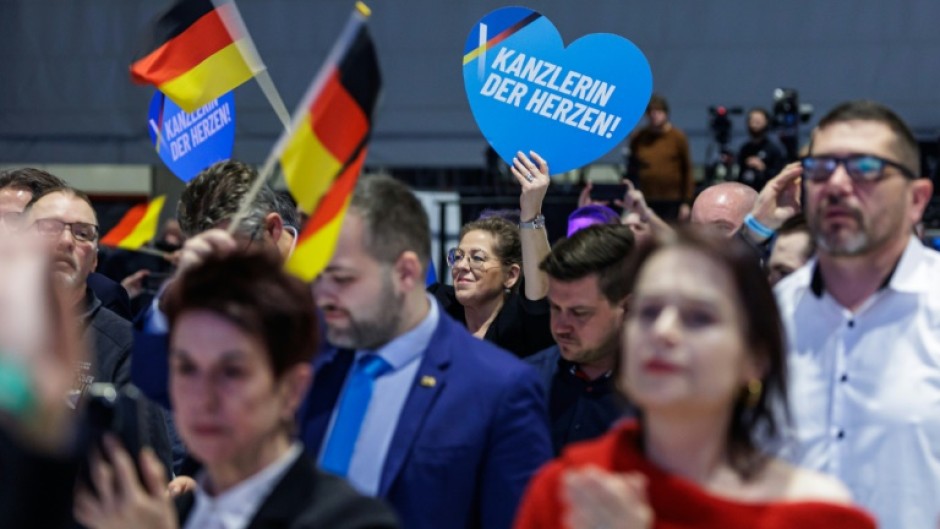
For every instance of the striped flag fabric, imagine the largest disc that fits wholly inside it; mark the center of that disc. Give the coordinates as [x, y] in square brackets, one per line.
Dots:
[316, 242]
[334, 118]
[198, 51]
[325, 150]
[138, 226]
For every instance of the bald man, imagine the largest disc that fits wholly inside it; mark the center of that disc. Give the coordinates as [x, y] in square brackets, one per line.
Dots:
[722, 207]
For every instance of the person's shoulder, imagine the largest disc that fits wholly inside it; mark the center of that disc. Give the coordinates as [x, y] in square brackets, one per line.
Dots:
[676, 133]
[469, 348]
[336, 504]
[548, 356]
[602, 451]
[810, 500]
[113, 328]
[794, 284]
[802, 485]
[442, 291]
[313, 498]
[930, 257]
[490, 362]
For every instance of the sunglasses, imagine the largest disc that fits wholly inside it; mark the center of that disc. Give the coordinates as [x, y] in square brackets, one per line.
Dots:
[860, 167]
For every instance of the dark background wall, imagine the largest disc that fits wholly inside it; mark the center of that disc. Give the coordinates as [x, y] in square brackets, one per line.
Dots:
[65, 96]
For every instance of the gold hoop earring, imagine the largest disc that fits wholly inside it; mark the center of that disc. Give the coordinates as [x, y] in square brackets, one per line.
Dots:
[754, 390]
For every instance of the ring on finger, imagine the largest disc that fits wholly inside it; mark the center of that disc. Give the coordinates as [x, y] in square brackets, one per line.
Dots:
[528, 176]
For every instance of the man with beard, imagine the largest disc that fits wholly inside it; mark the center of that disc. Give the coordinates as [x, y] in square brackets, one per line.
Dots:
[406, 404]
[587, 295]
[64, 218]
[862, 315]
[760, 158]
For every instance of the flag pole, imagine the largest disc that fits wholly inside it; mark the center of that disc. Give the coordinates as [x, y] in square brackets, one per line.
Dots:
[145, 250]
[274, 97]
[245, 207]
[362, 12]
[236, 26]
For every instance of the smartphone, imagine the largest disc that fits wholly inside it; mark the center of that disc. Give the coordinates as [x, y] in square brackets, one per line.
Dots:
[118, 412]
[608, 192]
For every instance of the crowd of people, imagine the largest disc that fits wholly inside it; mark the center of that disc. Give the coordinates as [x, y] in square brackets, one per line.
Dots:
[771, 362]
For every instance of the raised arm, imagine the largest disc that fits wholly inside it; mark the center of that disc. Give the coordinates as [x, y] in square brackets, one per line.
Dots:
[776, 202]
[532, 175]
[636, 214]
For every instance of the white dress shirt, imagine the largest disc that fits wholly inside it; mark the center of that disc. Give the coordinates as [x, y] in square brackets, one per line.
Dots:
[865, 387]
[234, 508]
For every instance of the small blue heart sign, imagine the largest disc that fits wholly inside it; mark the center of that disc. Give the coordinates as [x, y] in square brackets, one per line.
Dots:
[189, 142]
[528, 91]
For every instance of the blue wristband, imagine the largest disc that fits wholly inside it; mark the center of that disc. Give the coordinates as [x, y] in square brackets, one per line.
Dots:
[758, 228]
[16, 392]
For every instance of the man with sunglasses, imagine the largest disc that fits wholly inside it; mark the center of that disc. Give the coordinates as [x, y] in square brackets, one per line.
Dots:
[862, 317]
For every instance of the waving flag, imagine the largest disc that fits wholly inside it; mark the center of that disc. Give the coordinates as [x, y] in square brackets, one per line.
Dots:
[138, 226]
[200, 49]
[325, 151]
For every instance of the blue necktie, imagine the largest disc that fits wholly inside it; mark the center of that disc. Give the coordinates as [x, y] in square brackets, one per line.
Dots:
[351, 412]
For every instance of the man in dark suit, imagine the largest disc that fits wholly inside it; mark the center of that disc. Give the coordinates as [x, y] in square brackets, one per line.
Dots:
[587, 295]
[406, 404]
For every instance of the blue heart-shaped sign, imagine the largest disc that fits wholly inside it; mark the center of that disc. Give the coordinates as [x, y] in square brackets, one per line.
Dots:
[189, 142]
[570, 105]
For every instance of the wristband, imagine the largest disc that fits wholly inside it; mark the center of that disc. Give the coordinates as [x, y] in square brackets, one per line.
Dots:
[758, 228]
[16, 392]
[534, 224]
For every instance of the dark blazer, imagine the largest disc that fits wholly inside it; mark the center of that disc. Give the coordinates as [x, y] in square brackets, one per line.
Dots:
[472, 432]
[307, 498]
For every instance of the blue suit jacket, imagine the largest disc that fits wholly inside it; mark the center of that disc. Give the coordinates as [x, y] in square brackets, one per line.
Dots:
[465, 446]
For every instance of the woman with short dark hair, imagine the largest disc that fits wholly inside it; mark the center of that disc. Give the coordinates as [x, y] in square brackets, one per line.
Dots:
[242, 337]
[703, 360]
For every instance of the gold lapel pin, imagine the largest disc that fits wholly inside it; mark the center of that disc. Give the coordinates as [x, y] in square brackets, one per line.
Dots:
[428, 381]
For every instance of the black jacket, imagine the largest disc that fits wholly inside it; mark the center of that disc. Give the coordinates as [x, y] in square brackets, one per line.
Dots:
[110, 338]
[308, 498]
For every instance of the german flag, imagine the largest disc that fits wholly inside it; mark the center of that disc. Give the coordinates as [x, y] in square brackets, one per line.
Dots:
[334, 122]
[325, 151]
[137, 227]
[316, 242]
[201, 50]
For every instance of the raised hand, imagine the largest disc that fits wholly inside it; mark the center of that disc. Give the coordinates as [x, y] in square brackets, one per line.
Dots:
[597, 499]
[780, 197]
[532, 175]
[122, 499]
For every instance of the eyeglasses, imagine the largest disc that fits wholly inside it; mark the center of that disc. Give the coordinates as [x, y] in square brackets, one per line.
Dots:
[81, 231]
[476, 259]
[860, 167]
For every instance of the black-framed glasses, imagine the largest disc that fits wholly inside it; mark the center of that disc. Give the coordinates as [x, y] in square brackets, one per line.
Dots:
[81, 231]
[476, 259]
[860, 167]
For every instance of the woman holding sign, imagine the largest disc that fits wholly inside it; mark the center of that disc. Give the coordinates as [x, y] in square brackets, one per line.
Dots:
[488, 265]
[706, 368]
